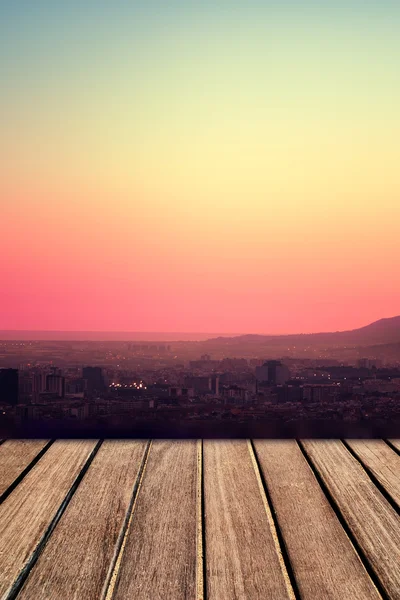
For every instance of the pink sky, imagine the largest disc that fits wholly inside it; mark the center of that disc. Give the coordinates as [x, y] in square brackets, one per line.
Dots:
[81, 268]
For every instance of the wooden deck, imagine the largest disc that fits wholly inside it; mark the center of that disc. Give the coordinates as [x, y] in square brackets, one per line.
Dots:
[190, 520]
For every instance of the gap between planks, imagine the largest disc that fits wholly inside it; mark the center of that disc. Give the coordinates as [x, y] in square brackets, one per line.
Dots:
[200, 589]
[289, 581]
[111, 580]
[24, 471]
[375, 477]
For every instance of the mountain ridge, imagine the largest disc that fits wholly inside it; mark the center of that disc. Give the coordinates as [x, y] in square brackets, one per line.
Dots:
[382, 331]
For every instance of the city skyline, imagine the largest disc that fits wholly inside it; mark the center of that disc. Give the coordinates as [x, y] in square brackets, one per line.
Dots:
[199, 168]
[201, 389]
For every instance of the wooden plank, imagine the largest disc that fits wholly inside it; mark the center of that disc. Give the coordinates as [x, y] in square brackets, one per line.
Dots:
[15, 457]
[158, 558]
[396, 444]
[382, 461]
[243, 559]
[78, 556]
[373, 522]
[200, 591]
[26, 514]
[324, 561]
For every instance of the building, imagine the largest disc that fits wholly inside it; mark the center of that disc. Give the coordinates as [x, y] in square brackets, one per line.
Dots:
[38, 385]
[55, 384]
[234, 394]
[55, 371]
[289, 393]
[215, 385]
[233, 364]
[320, 393]
[48, 397]
[24, 386]
[262, 373]
[75, 386]
[9, 386]
[367, 363]
[10, 380]
[201, 385]
[273, 372]
[94, 379]
[228, 378]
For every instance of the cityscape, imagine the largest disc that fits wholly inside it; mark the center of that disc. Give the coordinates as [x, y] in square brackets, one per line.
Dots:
[220, 387]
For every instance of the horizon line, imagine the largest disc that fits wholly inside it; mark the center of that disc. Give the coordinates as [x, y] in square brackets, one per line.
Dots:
[164, 333]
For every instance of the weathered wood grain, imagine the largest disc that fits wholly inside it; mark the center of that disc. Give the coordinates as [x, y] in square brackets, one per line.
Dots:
[371, 519]
[382, 461]
[77, 558]
[396, 444]
[243, 560]
[323, 559]
[159, 554]
[27, 512]
[200, 591]
[15, 456]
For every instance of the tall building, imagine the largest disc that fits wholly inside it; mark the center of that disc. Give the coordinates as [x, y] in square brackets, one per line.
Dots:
[9, 386]
[38, 385]
[215, 385]
[94, 379]
[262, 373]
[273, 372]
[56, 385]
[24, 386]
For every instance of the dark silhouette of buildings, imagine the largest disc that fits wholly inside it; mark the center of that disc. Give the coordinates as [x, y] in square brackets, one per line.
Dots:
[273, 372]
[205, 385]
[56, 385]
[9, 386]
[94, 379]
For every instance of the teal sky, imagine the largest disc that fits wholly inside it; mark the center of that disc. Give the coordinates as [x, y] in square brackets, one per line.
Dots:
[44, 29]
[315, 57]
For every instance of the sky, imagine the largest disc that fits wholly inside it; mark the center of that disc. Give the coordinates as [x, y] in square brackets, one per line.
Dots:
[199, 166]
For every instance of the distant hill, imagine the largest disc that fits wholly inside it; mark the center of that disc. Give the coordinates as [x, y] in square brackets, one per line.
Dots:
[384, 331]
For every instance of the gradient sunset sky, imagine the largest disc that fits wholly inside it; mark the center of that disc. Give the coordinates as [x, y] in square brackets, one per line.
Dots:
[199, 166]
